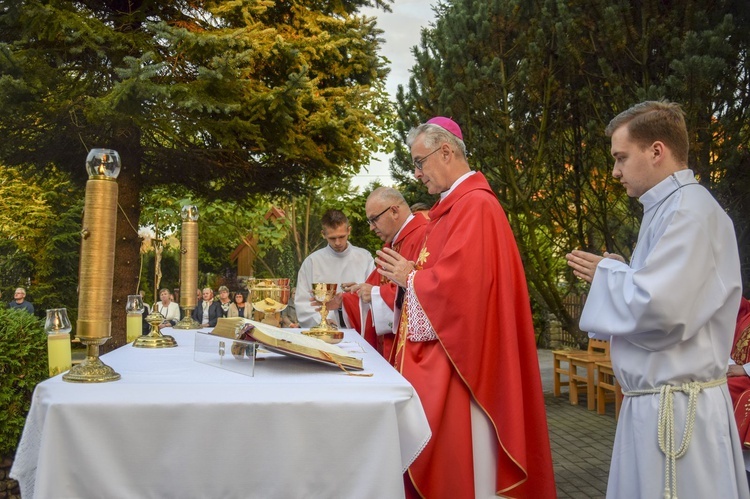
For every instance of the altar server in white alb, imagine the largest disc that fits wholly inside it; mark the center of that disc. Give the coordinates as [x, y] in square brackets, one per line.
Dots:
[670, 316]
[339, 262]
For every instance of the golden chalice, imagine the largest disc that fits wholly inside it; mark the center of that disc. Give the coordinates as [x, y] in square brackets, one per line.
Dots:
[269, 297]
[323, 293]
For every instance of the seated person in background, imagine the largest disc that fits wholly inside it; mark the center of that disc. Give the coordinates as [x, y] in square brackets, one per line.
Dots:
[166, 307]
[240, 308]
[224, 301]
[146, 307]
[207, 311]
[19, 301]
[289, 314]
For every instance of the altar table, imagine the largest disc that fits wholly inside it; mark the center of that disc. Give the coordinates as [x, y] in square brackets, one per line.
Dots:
[176, 428]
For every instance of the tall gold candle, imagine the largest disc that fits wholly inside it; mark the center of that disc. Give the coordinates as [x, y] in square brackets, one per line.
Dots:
[189, 267]
[97, 265]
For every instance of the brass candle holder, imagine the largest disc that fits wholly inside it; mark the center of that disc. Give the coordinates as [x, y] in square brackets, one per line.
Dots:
[188, 267]
[94, 323]
[155, 339]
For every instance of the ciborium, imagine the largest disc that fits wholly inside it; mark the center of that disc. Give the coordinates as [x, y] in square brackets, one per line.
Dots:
[323, 293]
[155, 339]
[269, 297]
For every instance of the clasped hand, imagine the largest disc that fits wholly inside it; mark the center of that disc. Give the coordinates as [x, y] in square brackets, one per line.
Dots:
[394, 266]
[363, 290]
[584, 263]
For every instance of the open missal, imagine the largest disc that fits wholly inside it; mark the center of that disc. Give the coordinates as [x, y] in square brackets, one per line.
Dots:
[287, 343]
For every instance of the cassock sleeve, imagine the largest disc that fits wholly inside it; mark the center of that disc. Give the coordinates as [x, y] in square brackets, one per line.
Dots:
[382, 314]
[677, 285]
[306, 315]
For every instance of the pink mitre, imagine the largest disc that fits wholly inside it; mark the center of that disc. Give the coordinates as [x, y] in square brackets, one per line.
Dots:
[448, 124]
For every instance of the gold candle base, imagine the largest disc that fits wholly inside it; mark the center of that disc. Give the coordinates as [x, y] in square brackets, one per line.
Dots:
[155, 339]
[92, 369]
[187, 321]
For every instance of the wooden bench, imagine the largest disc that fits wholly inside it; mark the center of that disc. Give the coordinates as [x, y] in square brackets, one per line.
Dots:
[607, 388]
[598, 351]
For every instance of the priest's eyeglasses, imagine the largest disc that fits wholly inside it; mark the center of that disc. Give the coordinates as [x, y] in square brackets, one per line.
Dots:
[419, 163]
[374, 220]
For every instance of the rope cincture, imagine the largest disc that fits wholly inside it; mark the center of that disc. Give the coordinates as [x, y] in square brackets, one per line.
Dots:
[665, 432]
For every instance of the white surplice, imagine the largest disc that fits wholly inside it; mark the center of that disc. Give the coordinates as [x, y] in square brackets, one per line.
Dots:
[353, 264]
[670, 317]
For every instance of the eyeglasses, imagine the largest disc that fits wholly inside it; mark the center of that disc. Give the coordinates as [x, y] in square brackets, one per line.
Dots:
[419, 163]
[374, 220]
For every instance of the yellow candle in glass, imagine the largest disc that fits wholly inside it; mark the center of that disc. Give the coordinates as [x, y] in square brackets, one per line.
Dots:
[134, 327]
[58, 351]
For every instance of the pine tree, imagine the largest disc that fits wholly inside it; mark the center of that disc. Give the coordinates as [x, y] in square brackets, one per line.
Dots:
[224, 98]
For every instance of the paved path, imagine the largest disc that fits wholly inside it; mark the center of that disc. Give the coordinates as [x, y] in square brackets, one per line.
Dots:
[581, 441]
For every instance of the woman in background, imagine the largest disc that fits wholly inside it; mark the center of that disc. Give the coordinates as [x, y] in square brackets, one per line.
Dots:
[240, 308]
[166, 307]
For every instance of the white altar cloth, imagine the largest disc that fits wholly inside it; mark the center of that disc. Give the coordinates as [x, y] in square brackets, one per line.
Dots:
[176, 428]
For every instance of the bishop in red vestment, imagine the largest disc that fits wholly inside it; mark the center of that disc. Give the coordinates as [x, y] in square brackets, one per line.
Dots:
[466, 340]
[738, 380]
[390, 218]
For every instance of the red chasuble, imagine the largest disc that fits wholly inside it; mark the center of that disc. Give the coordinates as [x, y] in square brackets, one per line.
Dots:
[408, 244]
[472, 288]
[739, 386]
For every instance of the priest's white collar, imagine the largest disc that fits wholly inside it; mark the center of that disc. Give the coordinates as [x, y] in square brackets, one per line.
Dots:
[458, 181]
[395, 238]
[666, 187]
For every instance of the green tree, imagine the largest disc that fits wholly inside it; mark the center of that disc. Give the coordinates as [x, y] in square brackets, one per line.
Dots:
[533, 85]
[224, 98]
[40, 224]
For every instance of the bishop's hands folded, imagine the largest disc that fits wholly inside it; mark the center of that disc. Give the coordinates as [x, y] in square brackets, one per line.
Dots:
[584, 263]
[394, 266]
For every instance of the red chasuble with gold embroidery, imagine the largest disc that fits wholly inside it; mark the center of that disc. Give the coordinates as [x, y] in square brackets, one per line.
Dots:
[739, 386]
[408, 243]
[472, 288]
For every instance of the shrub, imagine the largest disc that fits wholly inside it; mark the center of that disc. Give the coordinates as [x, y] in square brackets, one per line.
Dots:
[23, 364]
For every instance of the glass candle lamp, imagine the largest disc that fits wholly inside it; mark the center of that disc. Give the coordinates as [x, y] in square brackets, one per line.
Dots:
[57, 326]
[134, 309]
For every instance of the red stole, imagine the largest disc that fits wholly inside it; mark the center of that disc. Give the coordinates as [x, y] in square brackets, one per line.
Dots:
[408, 244]
[739, 386]
[472, 288]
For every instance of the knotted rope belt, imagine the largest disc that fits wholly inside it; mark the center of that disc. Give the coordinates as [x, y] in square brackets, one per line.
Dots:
[665, 432]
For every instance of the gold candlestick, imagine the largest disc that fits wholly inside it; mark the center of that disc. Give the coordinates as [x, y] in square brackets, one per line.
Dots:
[155, 339]
[97, 265]
[188, 267]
